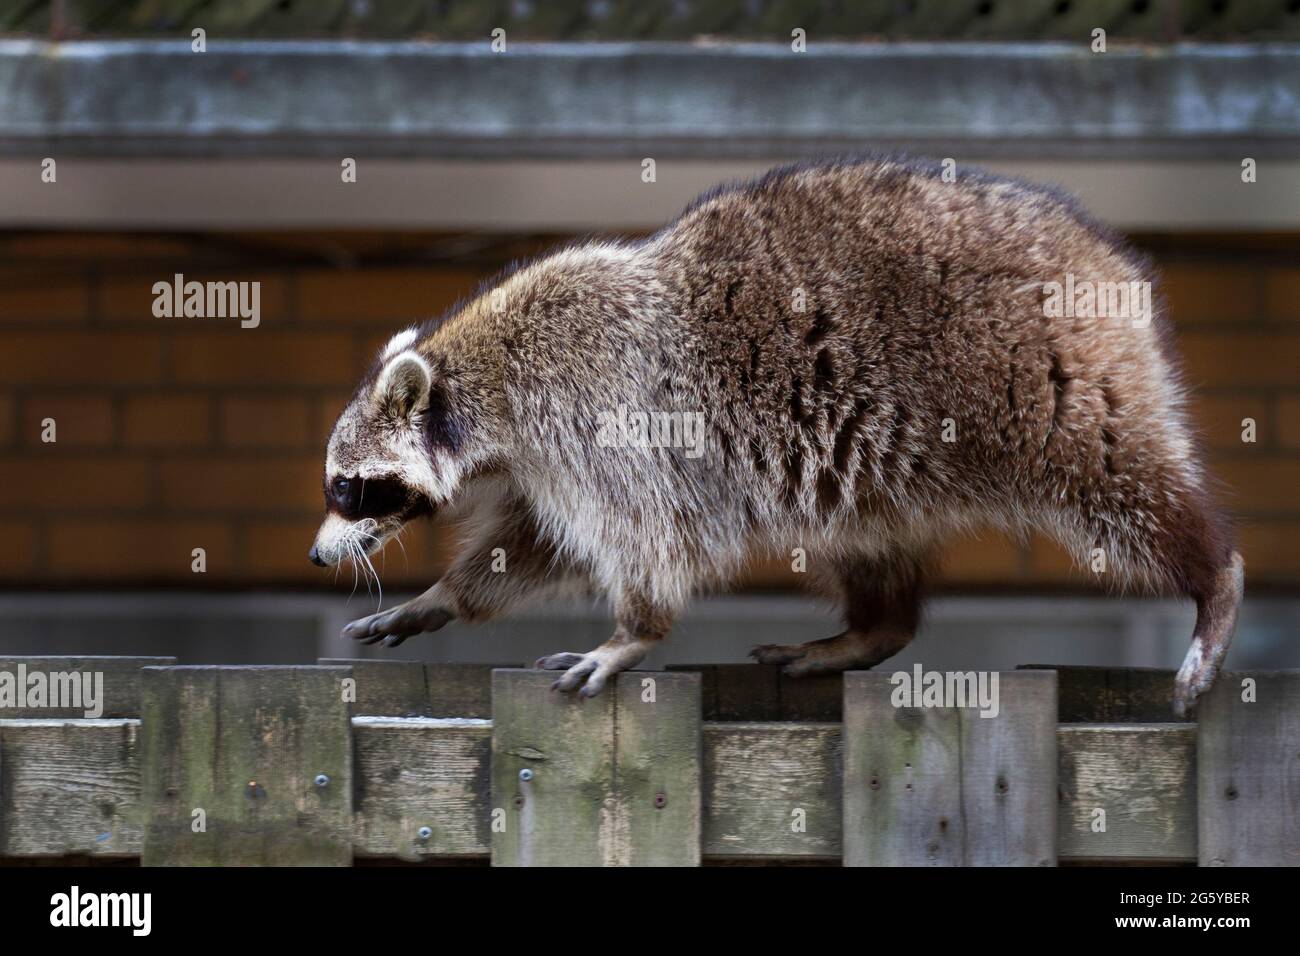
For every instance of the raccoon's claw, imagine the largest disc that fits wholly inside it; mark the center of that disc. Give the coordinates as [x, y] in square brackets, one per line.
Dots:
[592, 670]
[576, 667]
[558, 662]
[395, 626]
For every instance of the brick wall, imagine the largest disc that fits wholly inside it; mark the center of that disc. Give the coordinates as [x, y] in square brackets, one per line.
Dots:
[183, 433]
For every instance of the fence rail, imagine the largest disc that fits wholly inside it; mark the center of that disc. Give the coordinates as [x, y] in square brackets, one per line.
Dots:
[348, 760]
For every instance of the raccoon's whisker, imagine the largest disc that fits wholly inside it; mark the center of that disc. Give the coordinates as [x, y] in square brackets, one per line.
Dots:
[368, 568]
[379, 587]
[351, 547]
[363, 564]
[365, 533]
[406, 559]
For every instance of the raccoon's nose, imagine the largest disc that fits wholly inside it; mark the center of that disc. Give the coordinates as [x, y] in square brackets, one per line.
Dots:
[314, 556]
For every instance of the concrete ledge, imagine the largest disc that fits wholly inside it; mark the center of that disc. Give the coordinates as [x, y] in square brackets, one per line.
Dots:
[156, 99]
[553, 195]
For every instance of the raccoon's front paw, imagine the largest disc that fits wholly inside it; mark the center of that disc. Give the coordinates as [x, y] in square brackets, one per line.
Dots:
[592, 670]
[395, 626]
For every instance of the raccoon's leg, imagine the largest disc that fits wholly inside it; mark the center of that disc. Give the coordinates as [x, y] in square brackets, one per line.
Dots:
[640, 625]
[882, 598]
[1216, 620]
[506, 561]
[1176, 541]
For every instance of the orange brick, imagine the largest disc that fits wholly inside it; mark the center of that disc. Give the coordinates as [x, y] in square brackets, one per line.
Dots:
[1247, 360]
[267, 423]
[382, 295]
[372, 346]
[78, 422]
[18, 555]
[444, 545]
[1206, 292]
[1261, 484]
[130, 298]
[7, 427]
[87, 247]
[1288, 421]
[134, 549]
[277, 550]
[1218, 419]
[778, 571]
[80, 358]
[254, 485]
[258, 357]
[25, 297]
[64, 483]
[988, 558]
[328, 411]
[163, 420]
[1270, 551]
[1051, 563]
[1282, 294]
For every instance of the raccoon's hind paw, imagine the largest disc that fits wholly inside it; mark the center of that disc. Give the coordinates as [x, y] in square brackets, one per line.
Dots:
[777, 653]
[801, 660]
[852, 650]
[395, 626]
[587, 673]
[1195, 677]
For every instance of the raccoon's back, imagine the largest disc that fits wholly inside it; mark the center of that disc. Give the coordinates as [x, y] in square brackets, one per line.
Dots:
[851, 316]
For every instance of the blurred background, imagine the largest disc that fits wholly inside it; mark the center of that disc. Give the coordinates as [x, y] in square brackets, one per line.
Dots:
[485, 132]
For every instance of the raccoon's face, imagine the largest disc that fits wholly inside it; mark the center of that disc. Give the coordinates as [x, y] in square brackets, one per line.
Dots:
[386, 461]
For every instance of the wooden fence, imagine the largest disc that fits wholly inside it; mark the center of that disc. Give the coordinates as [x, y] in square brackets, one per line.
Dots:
[353, 760]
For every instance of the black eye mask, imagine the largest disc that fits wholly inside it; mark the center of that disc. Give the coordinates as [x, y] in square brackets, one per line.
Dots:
[357, 498]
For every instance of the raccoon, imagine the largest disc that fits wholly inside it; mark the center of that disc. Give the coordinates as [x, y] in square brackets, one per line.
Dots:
[877, 360]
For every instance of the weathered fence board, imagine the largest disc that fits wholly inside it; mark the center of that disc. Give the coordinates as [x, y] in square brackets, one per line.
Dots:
[772, 790]
[120, 677]
[1112, 695]
[657, 754]
[69, 787]
[422, 772]
[743, 692]
[564, 793]
[414, 772]
[415, 689]
[1143, 779]
[262, 754]
[927, 786]
[551, 760]
[1248, 771]
[627, 779]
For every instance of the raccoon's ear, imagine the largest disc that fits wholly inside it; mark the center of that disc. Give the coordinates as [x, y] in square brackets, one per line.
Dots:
[403, 386]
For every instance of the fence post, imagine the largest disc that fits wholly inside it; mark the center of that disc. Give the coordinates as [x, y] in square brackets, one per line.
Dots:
[423, 791]
[1247, 751]
[614, 780]
[93, 770]
[246, 766]
[943, 786]
[417, 689]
